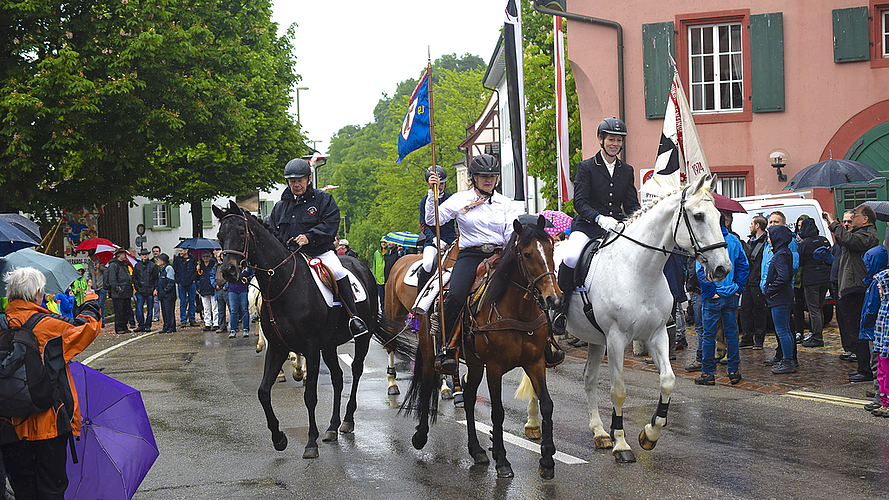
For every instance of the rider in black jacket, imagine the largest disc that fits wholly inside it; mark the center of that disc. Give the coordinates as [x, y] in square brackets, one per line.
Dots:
[307, 219]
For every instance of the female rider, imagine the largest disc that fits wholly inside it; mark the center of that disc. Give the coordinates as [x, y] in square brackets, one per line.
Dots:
[484, 218]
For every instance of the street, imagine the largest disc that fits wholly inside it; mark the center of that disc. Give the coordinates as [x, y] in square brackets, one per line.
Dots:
[720, 442]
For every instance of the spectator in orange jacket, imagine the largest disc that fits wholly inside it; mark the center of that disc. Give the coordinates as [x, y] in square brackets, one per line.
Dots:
[35, 464]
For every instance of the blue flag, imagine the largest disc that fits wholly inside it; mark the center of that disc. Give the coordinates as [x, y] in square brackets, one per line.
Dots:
[415, 132]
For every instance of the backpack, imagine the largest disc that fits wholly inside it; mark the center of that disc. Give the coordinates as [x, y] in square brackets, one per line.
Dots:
[28, 382]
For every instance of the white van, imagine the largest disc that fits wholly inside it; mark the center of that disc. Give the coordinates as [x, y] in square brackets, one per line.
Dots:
[792, 205]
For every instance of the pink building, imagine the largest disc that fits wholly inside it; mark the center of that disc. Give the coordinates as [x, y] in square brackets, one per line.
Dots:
[804, 80]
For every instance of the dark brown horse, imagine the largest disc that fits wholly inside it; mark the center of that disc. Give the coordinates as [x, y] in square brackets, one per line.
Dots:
[508, 331]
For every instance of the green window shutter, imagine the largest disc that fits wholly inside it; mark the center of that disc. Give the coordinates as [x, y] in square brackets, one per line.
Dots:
[851, 40]
[148, 215]
[172, 215]
[767, 62]
[206, 214]
[657, 47]
[268, 205]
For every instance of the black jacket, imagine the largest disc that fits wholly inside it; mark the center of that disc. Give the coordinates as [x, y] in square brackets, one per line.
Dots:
[314, 214]
[186, 269]
[166, 287]
[118, 281]
[448, 229]
[595, 192]
[207, 278]
[779, 279]
[815, 271]
[754, 249]
[145, 277]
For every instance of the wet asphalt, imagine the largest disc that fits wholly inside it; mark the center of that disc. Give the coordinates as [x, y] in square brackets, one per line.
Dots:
[200, 390]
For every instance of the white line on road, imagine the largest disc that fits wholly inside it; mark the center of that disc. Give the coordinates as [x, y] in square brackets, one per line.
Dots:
[528, 445]
[827, 398]
[99, 354]
[346, 359]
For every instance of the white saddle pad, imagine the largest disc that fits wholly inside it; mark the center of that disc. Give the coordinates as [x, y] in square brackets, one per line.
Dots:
[427, 295]
[357, 287]
[411, 278]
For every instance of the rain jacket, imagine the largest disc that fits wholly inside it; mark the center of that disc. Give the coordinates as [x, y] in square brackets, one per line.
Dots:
[736, 279]
[815, 271]
[875, 260]
[74, 336]
[118, 281]
[207, 278]
[767, 259]
[314, 214]
[166, 283]
[145, 275]
[186, 269]
[79, 287]
[779, 274]
[379, 265]
[851, 269]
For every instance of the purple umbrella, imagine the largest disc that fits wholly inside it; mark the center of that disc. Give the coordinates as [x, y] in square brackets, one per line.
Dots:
[116, 446]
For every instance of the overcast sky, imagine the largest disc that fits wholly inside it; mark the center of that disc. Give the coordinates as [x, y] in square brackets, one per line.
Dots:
[349, 52]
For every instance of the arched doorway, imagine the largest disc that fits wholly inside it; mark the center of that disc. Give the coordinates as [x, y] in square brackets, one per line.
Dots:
[872, 149]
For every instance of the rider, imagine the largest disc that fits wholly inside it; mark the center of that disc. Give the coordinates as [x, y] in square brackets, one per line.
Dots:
[485, 218]
[307, 219]
[604, 193]
[448, 230]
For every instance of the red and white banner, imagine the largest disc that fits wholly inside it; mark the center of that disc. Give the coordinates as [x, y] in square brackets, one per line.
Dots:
[566, 187]
[680, 157]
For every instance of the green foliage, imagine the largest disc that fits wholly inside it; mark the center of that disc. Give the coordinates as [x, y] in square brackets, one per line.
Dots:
[376, 195]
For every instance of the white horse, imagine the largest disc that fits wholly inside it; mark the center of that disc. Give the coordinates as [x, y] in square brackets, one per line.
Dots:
[254, 301]
[631, 300]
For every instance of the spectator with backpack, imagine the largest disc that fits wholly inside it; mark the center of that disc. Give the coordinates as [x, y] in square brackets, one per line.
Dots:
[35, 446]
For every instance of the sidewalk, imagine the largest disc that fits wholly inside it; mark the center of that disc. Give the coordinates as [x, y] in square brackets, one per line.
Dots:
[819, 367]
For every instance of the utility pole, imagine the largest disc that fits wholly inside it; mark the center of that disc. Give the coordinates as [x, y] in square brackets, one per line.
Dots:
[297, 103]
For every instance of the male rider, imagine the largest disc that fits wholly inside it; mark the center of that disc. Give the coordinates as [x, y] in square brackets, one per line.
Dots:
[448, 230]
[307, 219]
[604, 193]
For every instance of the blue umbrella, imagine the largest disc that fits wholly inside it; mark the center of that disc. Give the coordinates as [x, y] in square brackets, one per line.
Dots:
[12, 239]
[23, 224]
[403, 238]
[199, 244]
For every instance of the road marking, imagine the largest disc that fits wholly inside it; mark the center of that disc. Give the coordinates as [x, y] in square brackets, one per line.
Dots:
[528, 445]
[99, 354]
[827, 398]
[346, 359]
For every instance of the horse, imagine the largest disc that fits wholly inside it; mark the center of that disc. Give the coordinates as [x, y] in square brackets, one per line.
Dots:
[297, 317]
[509, 330]
[254, 302]
[630, 300]
[400, 298]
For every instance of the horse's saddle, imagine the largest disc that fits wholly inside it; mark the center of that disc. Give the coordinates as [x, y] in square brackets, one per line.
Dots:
[583, 263]
[482, 277]
[326, 283]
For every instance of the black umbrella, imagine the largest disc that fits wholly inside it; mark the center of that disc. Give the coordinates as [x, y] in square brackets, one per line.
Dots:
[12, 239]
[832, 173]
[881, 208]
[23, 224]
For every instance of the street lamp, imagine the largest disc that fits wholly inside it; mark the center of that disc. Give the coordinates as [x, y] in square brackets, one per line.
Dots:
[297, 102]
[779, 158]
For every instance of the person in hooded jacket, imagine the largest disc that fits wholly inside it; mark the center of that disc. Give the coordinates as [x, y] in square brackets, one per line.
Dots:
[815, 278]
[779, 294]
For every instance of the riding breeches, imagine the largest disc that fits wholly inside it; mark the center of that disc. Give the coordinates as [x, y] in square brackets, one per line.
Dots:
[571, 249]
[330, 259]
[429, 254]
[462, 278]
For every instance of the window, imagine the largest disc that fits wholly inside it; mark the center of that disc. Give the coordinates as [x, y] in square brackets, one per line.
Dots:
[732, 187]
[884, 33]
[854, 197]
[716, 67]
[713, 56]
[879, 33]
[159, 215]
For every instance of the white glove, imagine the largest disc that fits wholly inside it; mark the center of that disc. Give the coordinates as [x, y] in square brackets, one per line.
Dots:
[607, 223]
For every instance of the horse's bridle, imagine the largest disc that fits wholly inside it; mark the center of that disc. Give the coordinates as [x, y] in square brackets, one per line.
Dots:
[532, 283]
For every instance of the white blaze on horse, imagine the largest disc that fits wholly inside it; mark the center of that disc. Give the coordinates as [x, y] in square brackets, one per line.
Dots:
[631, 300]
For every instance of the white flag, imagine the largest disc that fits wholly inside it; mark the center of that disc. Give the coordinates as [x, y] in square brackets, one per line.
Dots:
[680, 157]
[566, 187]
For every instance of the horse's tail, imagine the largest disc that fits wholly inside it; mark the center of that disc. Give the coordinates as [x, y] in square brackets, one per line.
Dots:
[525, 391]
[421, 395]
[395, 336]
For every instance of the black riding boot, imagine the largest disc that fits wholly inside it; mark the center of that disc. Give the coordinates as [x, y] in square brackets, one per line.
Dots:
[446, 360]
[422, 278]
[356, 324]
[566, 284]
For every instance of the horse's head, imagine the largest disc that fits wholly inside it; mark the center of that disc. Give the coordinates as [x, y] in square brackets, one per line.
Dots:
[533, 250]
[232, 235]
[698, 229]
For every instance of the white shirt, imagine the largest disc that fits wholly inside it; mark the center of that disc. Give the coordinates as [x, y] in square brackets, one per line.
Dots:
[490, 222]
[610, 166]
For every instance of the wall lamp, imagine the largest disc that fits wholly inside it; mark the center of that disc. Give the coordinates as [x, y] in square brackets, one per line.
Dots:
[779, 158]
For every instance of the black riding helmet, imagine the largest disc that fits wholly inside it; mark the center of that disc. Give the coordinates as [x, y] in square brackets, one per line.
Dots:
[442, 174]
[613, 126]
[297, 167]
[483, 164]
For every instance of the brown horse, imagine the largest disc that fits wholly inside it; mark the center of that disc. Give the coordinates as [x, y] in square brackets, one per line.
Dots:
[400, 298]
[508, 331]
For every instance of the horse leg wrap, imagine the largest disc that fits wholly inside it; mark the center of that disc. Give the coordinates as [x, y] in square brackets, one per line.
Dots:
[661, 411]
[617, 422]
[391, 372]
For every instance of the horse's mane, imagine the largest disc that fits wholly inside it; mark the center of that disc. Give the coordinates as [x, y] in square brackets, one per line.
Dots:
[500, 280]
[694, 198]
[234, 210]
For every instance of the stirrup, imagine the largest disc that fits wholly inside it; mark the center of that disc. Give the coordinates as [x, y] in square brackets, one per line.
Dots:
[446, 361]
[357, 326]
[552, 355]
[560, 324]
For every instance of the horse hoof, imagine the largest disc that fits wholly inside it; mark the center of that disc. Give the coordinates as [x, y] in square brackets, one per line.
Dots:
[282, 379]
[297, 377]
[603, 442]
[393, 390]
[504, 471]
[311, 452]
[280, 444]
[330, 437]
[481, 458]
[646, 443]
[347, 427]
[624, 456]
[547, 473]
[418, 440]
[532, 432]
[458, 400]
[258, 350]
[446, 393]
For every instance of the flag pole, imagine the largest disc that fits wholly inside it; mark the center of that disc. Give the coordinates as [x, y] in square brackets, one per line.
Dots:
[435, 200]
